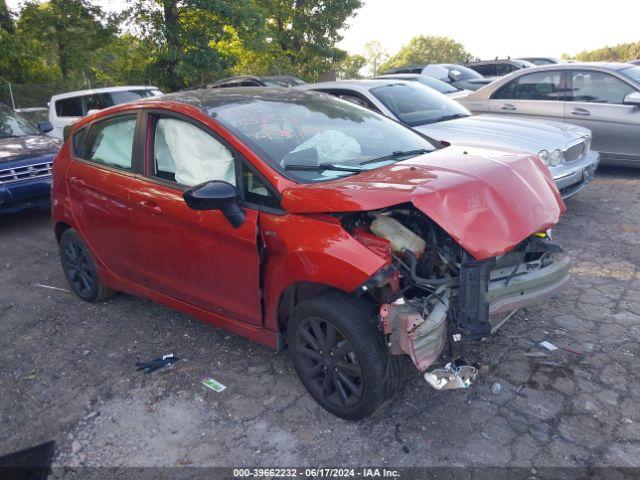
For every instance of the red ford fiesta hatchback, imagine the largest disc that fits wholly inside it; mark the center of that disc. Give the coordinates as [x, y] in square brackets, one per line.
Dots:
[292, 218]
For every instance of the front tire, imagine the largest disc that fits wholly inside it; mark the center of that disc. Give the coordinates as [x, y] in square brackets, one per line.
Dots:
[80, 268]
[339, 355]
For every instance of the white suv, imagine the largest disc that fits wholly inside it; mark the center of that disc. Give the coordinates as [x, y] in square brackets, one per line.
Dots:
[66, 108]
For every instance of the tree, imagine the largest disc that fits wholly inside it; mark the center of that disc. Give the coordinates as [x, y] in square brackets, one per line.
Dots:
[125, 60]
[618, 53]
[188, 36]
[375, 55]
[68, 30]
[428, 49]
[6, 22]
[350, 66]
[306, 31]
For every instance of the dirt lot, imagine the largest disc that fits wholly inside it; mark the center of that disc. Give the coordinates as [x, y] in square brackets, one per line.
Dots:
[67, 372]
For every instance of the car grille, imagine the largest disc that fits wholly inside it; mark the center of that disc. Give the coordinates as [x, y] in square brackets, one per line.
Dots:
[577, 150]
[10, 175]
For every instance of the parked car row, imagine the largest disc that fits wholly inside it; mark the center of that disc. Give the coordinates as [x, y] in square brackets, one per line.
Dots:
[564, 148]
[603, 97]
[353, 221]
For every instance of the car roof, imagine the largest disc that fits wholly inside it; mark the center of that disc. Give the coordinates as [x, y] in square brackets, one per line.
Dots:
[206, 98]
[80, 93]
[366, 84]
[502, 60]
[587, 65]
[398, 76]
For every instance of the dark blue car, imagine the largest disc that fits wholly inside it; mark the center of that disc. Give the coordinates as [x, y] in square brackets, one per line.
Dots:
[26, 155]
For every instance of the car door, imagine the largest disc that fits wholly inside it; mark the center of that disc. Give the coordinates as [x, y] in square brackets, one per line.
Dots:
[98, 179]
[538, 95]
[194, 256]
[597, 102]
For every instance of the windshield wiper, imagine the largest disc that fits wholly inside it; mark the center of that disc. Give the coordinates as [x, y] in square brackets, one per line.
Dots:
[451, 117]
[397, 154]
[324, 166]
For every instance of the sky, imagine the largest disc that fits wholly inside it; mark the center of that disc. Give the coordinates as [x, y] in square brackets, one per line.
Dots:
[488, 28]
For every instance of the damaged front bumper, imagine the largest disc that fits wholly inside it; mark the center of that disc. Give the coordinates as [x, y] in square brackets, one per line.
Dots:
[526, 287]
[418, 328]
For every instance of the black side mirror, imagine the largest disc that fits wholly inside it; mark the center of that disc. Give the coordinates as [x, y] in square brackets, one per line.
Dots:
[216, 195]
[44, 127]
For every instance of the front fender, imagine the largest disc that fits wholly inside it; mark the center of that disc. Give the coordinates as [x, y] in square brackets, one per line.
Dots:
[310, 249]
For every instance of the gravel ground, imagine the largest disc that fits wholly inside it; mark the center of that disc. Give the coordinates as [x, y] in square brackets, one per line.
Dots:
[67, 372]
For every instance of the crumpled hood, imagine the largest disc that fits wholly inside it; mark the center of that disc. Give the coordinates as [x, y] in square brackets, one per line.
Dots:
[487, 200]
[505, 131]
[18, 148]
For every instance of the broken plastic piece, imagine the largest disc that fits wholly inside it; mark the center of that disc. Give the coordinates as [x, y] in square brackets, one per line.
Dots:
[213, 385]
[548, 345]
[152, 366]
[451, 377]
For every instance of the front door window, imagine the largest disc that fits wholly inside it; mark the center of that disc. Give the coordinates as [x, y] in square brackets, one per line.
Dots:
[186, 154]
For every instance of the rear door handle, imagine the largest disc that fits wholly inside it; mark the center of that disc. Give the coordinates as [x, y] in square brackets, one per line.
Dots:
[77, 181]
[508, 107]
[149, 206]
[581, 112]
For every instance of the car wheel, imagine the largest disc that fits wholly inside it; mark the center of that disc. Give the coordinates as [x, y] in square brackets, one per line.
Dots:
[339, 355]
[80, 268]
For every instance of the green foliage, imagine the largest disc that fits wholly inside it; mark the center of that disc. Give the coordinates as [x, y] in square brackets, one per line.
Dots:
[172, 43]
[191, 38]
[428, 49]
[349, 68]
[306, 32]
[623, 52]
[376, 55]
[66, 32]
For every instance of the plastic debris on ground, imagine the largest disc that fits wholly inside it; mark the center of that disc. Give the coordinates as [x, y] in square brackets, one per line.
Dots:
[451, 376]
[49, 287]
[152, 366]
[213, 384]
[548, 345]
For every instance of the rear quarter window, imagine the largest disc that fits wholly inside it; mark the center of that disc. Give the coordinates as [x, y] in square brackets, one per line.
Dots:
[70, 107]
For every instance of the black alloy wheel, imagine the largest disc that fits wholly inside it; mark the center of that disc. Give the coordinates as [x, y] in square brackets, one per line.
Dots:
[340, 356]
[329, 362]
[80, 268]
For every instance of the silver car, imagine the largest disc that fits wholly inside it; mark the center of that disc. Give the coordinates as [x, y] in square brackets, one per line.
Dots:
[603, 97]
[565, 148]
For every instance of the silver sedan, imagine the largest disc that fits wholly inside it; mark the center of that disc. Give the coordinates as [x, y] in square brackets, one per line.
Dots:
[564, 148]
[603, 97]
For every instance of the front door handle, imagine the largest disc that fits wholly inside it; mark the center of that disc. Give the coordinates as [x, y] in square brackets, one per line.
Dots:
[581, 112]
[508, 107]
[77, 181]
[149, 206]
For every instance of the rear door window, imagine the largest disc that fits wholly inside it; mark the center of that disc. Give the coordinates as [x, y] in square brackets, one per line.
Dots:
[540, 86]
[111, 142]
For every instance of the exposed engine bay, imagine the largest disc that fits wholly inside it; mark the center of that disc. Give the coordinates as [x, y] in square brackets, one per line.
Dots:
[433, 292]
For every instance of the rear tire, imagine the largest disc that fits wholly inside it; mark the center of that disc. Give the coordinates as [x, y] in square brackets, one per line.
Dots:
[80, 268]
[340, 356]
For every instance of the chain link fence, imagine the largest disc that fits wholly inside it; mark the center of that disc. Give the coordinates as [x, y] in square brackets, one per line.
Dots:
[30, 95]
